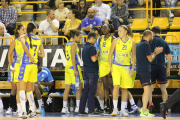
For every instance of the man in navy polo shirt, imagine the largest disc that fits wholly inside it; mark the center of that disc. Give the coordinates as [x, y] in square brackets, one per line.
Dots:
[89, 22]
[144, 58]
[158, 70]
[90, 74]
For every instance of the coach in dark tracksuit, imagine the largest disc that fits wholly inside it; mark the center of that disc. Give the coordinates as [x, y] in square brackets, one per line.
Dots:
[158, 70]
[90, 73]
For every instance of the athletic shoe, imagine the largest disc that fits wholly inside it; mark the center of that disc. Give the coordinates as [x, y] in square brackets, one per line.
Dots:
[123, 113]
[126, 110]
[65, 111]
[107, 111]
[151, 106]
[94, 114]
[133, 109]
[9, 111]
[24, 115]
[115, 112]
[163, 110]
[38, 111]
[31, 114]
[146, 114]
[82, 114]
[19, 114]
[76, 110]
[86, 110]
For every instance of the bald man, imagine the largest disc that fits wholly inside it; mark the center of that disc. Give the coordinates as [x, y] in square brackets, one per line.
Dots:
[3, 34]
[89, 22]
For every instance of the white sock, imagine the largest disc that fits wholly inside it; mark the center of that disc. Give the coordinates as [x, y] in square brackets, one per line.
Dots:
[126, 105]
[123, 105]
[77, 103]
[64, 104]
[19, 107]
[40, 103]
[102, 104]
[98, 99]
[31, 100]
[115, 102]
[132, 101]
[23, 100]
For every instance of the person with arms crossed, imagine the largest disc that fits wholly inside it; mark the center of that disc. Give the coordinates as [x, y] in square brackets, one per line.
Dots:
[144, 59]
[158, 70]
[122, 48]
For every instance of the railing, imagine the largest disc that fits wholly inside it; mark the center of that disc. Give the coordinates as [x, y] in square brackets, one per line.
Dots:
[63, 37]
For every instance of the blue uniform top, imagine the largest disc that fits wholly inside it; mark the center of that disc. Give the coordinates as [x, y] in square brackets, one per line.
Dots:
[45, 76]
[160, 58]
[143, 50]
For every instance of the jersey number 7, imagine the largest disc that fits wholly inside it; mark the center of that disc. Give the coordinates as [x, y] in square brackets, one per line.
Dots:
[35, 49]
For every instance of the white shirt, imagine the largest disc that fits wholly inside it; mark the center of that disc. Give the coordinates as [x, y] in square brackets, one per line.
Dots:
[46, 27]
[104, 11]
[5, 41]
[4, 27]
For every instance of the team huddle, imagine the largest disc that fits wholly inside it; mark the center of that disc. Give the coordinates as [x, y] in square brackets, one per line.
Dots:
[108, 61]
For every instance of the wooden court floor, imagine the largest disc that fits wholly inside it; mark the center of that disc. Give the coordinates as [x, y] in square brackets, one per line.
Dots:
[91, 118]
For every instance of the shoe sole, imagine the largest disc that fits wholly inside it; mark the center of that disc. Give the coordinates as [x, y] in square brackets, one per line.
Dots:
[146, 116]
[114, 114]
[38, 112]
[134, 110]
[125, 115]
[24, 116]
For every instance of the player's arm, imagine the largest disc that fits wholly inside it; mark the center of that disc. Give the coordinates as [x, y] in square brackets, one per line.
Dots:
[50, 80]
[168, 65]
[41, 49]
[73, 52]
[152, 56]
[94, 55]
[47, 83]
[113, 45]
[11, 50]
[23, 39]
[133, 56]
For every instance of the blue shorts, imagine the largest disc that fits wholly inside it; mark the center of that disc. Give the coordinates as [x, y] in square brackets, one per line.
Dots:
[145, 78]
[158, 73]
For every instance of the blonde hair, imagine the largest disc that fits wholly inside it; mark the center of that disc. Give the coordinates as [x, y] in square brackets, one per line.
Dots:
[58, 2]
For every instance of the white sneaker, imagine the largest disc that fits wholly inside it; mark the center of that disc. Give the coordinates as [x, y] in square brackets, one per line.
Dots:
[24, 115]
[133, 109]
[9, 111]
[124, 114]
[65, 111]
[38, 110]
[19, 115]
[115, 112]
[86, 110]
[14, 112]
[76, 110]
[171, 15]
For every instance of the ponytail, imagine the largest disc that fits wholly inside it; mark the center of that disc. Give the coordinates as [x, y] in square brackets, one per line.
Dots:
[30, 28]
[129, 31]
[30, 39]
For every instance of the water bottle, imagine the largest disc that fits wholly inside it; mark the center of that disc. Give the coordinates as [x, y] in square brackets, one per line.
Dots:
[77, 81]
[42, 110]
[71, 106]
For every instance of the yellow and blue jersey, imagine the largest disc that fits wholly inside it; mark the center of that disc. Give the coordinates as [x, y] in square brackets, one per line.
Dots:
[36, 42]
[68, 54]
[122, 52]
[18, 51]
[105, 46]
[45, 76]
